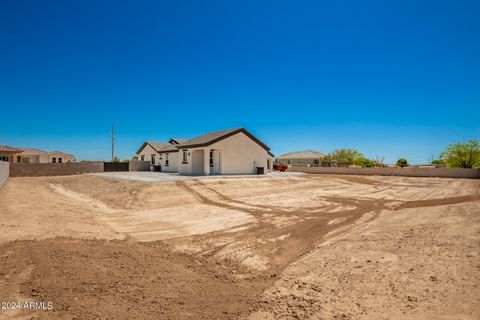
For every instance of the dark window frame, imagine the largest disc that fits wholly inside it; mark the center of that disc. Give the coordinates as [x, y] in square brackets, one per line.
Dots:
[184, 156]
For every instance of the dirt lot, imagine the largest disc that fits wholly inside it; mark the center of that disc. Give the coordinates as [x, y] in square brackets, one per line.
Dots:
[296, 247]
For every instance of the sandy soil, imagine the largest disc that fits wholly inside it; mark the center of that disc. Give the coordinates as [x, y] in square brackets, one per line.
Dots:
[296, 247]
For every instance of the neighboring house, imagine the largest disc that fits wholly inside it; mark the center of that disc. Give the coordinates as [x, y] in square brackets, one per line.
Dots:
[426, 166]
[301, 158]
[10, 154]
[29, 155]
[233, 151]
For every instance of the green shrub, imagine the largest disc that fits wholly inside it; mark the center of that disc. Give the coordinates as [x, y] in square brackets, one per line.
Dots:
[462, 155]
[402, 162]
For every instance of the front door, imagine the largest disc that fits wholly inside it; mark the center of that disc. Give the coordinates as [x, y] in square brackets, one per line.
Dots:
[215, 162]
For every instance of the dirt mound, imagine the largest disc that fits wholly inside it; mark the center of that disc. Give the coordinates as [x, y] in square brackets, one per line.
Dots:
[99, 279]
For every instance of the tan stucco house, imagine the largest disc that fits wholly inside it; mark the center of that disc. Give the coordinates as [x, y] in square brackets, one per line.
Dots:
[233, 151]
[31, 155]
[10, 154]
[301, 158]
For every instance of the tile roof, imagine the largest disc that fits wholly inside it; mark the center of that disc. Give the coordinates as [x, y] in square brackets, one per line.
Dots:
[60, 152]
[307, 154]
[212, 137]
[32, 151]
[159, 147]
[168, 148]
[4, 147]
[177, 141]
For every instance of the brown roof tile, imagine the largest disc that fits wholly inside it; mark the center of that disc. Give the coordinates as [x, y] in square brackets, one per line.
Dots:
[4, 147]
[212, 137]
[160, 147]
[32, 151]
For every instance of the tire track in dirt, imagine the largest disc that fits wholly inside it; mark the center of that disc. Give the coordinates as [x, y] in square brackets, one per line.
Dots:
[261, 239]
[229, 199]
[305, 231]
[437, 202]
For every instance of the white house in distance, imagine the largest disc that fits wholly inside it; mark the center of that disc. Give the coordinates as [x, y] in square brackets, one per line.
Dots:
[233, 151]
[301, 158]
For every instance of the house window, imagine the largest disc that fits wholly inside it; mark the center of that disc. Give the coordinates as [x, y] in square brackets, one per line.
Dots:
[152, 159]
[4, 159]
[166, 159]
[25, 160]
[60, 160]
[54, 160]
[211, 158]
[19, 159]
[185, 156]
[142, 158]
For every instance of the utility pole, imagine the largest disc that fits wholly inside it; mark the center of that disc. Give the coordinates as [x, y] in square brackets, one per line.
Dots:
[113, 142]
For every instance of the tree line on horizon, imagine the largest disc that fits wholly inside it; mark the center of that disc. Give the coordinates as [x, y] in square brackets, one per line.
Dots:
[456, 155]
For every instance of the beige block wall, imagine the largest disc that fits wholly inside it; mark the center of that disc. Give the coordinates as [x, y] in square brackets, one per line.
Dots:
[139, 166]
[54, 169]
[4, 172]
[405, 172]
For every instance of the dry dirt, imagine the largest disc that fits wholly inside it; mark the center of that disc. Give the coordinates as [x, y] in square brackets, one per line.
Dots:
[298, 247]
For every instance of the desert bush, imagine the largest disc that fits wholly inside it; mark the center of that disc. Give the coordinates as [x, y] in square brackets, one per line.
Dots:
[462, 155]
[343, 157]
[402, 162]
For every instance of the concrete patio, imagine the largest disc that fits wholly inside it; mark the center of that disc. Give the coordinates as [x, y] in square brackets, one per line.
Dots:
[148, 176]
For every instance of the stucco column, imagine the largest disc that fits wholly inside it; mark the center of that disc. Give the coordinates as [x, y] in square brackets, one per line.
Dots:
[206, 161]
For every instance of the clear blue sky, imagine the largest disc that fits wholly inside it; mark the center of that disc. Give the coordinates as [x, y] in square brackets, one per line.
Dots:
[389, 78]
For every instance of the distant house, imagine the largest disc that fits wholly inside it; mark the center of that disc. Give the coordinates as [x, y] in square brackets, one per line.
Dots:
[233, 151]
[301, 158]
[10, 154]
[30, 155]
[427, 165]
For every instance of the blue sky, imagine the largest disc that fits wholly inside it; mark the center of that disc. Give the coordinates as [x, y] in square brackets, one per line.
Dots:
[389, 78]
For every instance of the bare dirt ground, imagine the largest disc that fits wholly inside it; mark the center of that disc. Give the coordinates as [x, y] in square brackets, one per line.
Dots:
[296, 247]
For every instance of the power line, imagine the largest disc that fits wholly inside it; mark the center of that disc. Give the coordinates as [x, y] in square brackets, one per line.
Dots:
[113, 142]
